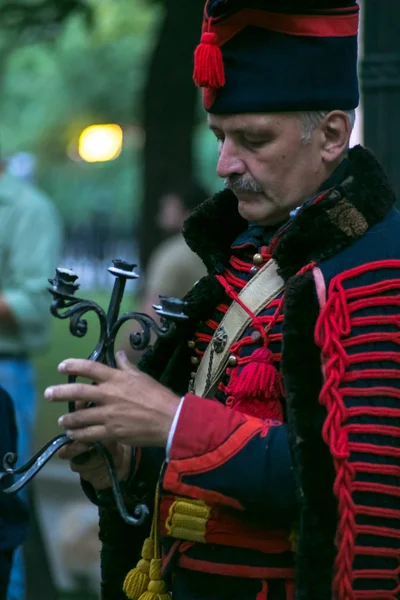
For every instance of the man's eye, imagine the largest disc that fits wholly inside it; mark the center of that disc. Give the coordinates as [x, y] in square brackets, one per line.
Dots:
[220, 142]
[254, 143]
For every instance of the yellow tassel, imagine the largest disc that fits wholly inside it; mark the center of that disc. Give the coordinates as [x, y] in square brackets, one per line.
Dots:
[145, 581]
[137, 580]
[157, 590]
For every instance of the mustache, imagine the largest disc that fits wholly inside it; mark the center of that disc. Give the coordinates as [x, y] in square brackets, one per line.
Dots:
[238, 183]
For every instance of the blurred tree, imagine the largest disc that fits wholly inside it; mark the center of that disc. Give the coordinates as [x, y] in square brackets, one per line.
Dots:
[169, 112]
[61, 78]
[55, 87]
[22, 22]
[41, 17]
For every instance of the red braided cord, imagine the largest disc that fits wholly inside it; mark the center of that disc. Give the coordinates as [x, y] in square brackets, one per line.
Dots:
[378, 488]
[240, 265]
[264, 324]
[204, 337]
[243, 266]
[376, 320]
[376, 391]
[374, 429]
[377, 511]
[222, 308]
[231, 293]
[369, 374]
[328, 332]
[374, 356]
[393, 301]
[368, 550]
[373, 411]
[212, 324]
[384, 595]
[233, 280]
[373, 573]
[335, 323]
[379, 287]
[361, 447]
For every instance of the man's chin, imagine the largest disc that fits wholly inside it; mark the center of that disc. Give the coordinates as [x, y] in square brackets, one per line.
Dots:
[249, 212]
[267, 219]
[248, 215]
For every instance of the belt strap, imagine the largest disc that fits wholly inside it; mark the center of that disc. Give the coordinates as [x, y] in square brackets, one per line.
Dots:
[262, 289]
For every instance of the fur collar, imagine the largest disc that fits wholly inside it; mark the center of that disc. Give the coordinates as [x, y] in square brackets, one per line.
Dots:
[318, 231]
[212, 228]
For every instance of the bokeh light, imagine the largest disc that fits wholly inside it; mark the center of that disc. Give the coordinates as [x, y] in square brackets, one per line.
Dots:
[101, 143]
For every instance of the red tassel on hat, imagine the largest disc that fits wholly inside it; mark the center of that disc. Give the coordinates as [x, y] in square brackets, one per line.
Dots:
[257, 391]
[208, 63]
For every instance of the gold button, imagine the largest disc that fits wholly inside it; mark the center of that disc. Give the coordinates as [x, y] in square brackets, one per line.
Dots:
[258, 259]
[233, 361]
[195, 361]
[192, 344]
[253, 271]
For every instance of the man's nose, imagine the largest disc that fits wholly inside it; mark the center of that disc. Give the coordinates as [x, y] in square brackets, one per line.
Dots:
[229, 162]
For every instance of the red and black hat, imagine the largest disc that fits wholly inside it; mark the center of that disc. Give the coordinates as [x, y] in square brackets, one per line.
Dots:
[271, 55]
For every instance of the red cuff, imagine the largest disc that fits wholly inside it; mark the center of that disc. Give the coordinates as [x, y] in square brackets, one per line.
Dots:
[207, 436]
[202, 427]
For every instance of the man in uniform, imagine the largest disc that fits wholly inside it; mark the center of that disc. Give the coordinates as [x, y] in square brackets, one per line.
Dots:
[276, 475]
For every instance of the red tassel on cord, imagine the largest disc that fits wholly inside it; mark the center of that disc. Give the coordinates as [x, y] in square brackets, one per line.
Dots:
[256, 390]
[208, 63]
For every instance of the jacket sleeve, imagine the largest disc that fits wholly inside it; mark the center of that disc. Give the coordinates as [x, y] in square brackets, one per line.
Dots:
[225, 458]
[358, 332]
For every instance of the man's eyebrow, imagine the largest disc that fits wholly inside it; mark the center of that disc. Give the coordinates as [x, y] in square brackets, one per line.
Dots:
[213, 127]
[256, 131]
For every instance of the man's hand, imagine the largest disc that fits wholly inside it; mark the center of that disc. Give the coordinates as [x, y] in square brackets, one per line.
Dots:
[91, 466]
[130, 408]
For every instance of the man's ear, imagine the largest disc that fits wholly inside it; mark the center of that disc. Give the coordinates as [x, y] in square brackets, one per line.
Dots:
[336, 132]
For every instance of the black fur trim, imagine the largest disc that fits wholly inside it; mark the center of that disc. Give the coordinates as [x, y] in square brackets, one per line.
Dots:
[312, 459]
[155, 359]
[213, 226]
[315, 235]
[203, 298]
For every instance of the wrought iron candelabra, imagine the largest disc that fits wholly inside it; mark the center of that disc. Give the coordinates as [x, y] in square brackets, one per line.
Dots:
[66, 305]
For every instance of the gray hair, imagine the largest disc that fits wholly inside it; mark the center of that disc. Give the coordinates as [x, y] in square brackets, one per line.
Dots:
[311, 119]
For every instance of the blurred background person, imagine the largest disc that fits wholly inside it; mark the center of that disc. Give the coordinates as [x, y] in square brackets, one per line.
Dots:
[13, 511]
[30, 245]
[173, 268]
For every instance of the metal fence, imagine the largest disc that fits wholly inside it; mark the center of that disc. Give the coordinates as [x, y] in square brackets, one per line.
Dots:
[90, 249]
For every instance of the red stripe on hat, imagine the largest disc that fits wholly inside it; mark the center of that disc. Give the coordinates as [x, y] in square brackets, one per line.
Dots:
[327, 25]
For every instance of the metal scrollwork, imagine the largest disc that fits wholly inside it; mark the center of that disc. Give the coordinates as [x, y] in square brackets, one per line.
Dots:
[65, 305]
